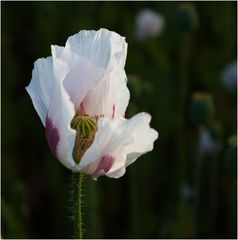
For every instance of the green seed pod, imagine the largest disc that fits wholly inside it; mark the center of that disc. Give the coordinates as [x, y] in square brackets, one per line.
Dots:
[85, 127]
[231, 156]
[202, 109]
[187, 18]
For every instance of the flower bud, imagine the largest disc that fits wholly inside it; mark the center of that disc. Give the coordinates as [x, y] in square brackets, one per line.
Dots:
[187, 18]
[202, 109]
[210, 140]
[149, 24]
[85, 127]
[231, 156]
[206, 145]
[229, 76]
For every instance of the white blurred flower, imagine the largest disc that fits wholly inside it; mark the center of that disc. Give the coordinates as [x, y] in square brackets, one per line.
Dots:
[229, 76]
[149, 24]
[81, 96]
[207, 145]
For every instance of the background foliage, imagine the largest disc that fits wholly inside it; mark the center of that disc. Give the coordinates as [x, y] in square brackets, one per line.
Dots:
[170, 192]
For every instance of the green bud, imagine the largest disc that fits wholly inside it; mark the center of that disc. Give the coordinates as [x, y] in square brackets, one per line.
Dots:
[187, 18]
[85, 127]
[202, 109]
[231, 156]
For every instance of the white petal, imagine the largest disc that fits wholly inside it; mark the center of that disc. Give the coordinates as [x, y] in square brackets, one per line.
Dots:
[54, 108]
[40, 86]
[117, 173]
[105, 50]
[110, 97]
[82, 74]
[61, 113]
[121, 139]
[92, 45]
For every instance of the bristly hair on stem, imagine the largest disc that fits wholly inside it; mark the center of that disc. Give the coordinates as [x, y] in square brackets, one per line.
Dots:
[78, 179]
[85, 127]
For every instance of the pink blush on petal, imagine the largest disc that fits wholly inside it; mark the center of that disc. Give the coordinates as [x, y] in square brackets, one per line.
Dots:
[104, 165]
[52, 135]
[113, 111]
[81, 109]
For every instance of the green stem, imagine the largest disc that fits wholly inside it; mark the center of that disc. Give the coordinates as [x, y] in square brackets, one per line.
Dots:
[183, 91]
[135, 212]
[197, 184]
[213, 190]
[78, 224]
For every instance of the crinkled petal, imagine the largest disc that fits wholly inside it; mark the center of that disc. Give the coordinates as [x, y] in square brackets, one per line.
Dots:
[93, 45]
[121, 142]
[107, 51]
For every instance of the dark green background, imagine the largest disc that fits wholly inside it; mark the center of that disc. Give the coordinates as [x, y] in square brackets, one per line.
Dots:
[163, 73]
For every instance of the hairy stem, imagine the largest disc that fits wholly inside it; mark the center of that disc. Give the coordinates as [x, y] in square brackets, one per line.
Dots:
[78, 224]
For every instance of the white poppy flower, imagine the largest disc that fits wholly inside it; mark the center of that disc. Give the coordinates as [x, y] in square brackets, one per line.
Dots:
[81, 96]
[149, 24]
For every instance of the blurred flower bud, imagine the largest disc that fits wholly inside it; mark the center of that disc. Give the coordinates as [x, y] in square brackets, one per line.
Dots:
[201, 109]
[148, 24]
[187, 18]
[229, 76]
[231, 156]
[206, 144]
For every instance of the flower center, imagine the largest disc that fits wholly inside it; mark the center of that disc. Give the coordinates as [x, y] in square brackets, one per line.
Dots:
[86, 127]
